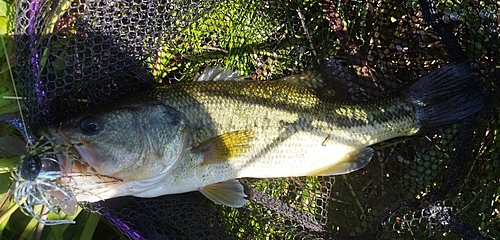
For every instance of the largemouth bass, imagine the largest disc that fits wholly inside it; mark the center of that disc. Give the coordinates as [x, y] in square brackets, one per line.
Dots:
[204, 135]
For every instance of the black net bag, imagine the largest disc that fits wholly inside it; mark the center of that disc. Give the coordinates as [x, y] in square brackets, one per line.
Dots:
[78, 56]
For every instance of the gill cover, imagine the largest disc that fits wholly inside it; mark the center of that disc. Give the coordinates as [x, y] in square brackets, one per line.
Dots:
[128, 142]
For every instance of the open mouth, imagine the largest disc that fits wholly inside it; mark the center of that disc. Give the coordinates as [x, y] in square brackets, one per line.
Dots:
[79, 167]
[71, 154]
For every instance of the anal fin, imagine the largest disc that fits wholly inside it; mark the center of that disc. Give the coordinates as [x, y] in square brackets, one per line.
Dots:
[349, 163]
[230, 193]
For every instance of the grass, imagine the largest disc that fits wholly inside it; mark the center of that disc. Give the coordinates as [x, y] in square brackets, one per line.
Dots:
[13, 223]
[231, 43]
[266, 43]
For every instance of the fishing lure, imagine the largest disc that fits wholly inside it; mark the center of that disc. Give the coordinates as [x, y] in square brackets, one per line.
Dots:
[37, 182]
[42, 185]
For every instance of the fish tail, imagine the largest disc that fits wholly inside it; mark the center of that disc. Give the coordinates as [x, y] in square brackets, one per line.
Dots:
[447, 95]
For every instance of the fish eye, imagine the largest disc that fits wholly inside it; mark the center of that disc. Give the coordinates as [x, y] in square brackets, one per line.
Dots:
[90, 125]
[30, 168]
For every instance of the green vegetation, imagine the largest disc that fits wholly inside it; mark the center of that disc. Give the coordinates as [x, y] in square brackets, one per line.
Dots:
[13, 223]
[393, 46]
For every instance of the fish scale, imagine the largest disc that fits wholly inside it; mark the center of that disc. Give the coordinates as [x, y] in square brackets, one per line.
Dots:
[204, 135]
[256, 104]
[294, 139]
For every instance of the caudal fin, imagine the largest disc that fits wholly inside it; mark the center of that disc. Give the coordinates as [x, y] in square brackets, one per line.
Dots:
[447, 95]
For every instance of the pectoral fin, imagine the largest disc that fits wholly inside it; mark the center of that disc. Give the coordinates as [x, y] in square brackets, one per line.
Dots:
[225, 146]
[230, 193]
[349, 163]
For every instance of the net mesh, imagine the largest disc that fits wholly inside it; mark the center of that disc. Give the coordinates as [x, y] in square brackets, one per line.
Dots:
[74, 56]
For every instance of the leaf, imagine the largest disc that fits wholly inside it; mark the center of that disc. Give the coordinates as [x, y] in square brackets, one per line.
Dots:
[28, 230]
[3, 26]
[7, 105]
[3, 34]
[57, 231]
[11, 146]
[86, 225]
[4, 184]
[5, 8]
[90, 227]
[6, 18]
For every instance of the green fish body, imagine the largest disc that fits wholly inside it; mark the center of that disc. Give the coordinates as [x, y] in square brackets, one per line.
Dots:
[204, 135]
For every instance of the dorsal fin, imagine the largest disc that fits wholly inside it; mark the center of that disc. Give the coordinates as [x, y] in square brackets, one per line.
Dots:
[313, 79]
[331, 78]
[210, 74]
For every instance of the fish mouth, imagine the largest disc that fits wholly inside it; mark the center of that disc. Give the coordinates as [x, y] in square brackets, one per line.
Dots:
[79, 163]
[71, 153]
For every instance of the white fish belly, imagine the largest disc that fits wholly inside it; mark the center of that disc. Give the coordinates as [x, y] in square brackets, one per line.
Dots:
[301, 154]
